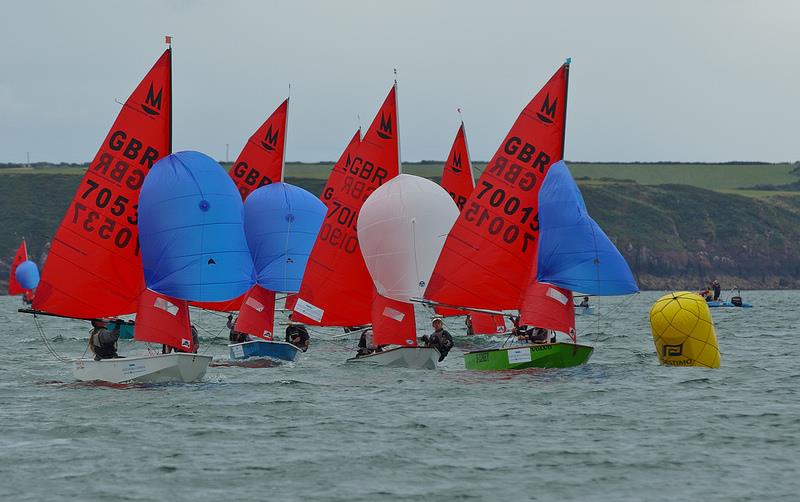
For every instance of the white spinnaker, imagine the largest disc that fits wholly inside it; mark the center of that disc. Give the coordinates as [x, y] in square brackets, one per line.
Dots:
[401, 230]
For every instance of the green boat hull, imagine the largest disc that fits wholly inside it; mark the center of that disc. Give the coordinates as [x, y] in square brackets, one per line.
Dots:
[546, 355]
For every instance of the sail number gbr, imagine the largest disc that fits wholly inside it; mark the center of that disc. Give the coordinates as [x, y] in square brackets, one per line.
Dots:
[524, 231]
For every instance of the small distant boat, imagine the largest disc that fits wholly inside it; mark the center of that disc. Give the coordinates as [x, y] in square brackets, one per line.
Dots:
[735, 302]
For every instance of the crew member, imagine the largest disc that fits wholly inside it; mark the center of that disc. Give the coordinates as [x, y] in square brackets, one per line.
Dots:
[102, 342]
[440, 339]
[297, 335]
[717, 289]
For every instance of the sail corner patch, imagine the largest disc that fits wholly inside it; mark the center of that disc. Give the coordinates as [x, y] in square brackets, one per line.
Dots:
[311, 311]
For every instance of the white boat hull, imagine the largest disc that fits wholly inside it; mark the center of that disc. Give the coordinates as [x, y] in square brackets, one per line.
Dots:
[174, 367]
[402, 357]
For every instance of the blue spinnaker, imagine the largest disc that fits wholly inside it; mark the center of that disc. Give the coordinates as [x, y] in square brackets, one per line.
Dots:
[281, 222]
[27, 274]
[191, 230]
[574, 252]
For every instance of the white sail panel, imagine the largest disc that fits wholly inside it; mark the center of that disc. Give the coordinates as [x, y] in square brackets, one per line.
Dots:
[401, 230]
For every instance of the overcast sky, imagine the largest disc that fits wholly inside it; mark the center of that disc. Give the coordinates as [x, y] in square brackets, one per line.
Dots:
[650, 80]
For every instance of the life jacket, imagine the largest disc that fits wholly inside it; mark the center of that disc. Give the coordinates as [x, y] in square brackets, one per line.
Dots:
[736, 301]
[107, 351]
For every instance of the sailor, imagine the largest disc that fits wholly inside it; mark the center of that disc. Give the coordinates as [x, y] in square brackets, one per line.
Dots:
[365, 344]
[297, 335]
[440, 339]
[523, 332]
[468, 324]
[539, 335]
[584, 302]
[717, 289]
[236, 336]
[102, 342]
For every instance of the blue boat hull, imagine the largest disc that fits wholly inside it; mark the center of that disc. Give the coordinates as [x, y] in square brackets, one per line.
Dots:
[277, 351]
[721, 303]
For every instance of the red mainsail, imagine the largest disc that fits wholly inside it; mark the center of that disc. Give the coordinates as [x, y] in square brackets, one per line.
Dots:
[163, 319]
[339, 171]
[457, 176]
[490, 254]
[93, 268]
[14, 287]
[257, 313]
[337, 288]
[548, 307]
[393, 322]
[262, 158]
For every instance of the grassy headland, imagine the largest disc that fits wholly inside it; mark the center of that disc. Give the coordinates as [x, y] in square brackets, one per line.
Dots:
[677, 224]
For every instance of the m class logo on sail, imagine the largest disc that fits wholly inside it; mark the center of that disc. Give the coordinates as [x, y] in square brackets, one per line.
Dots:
[152, 103]
[270, 140]
[547, 113]
[385, 130]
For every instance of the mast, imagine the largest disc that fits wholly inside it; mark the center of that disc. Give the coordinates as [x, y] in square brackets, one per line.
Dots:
[168, 41]
[466, 147]
[397, 118]
[566, 95]
[285, 134]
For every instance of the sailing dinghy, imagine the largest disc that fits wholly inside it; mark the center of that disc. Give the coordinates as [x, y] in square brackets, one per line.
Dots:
[281, 222]
[337, 289]
[401, 230]
[491, 258]
[24, 275]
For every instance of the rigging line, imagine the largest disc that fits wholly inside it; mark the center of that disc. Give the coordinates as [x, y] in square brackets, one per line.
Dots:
[47, 344]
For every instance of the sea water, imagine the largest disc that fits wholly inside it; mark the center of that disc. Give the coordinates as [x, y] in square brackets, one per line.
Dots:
[622, 427]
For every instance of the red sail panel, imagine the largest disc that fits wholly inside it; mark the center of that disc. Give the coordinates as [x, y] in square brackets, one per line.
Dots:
[93, 268]
[448, 312]
[340, 169]
[393, 322]
[14, 287]
[337, 288]
[457, 174]
[163, 319]
[487, 324]
[549, 307]
[490, 254]
[261, 160]
[257, 313]
[335, 179]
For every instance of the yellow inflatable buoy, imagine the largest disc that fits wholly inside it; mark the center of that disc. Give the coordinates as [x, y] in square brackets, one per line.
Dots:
[683, 331]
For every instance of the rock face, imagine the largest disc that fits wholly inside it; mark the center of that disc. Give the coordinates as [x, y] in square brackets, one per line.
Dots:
[676, 236]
